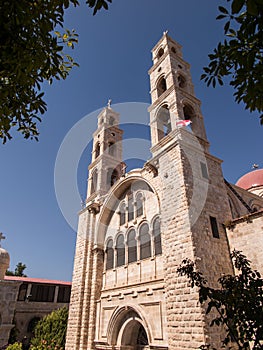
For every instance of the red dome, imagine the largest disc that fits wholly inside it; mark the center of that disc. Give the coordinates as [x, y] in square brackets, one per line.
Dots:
[252, 179]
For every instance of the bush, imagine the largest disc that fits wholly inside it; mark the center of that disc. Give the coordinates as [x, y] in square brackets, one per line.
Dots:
[50, 332]
[15, 346]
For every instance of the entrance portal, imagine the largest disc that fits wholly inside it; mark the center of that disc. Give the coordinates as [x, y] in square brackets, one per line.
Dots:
[131, 334]
[134, 337]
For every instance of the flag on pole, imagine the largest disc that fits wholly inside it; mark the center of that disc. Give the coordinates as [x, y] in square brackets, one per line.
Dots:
[181, 123]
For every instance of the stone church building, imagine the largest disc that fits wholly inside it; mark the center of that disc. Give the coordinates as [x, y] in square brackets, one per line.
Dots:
[137, 227]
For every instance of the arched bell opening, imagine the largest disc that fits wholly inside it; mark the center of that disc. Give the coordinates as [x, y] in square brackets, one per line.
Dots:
[189, 114]
[161, 86]
[164, 126]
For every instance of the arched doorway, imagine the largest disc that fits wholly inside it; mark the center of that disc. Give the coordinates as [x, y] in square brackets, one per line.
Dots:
[129, 331]
[133, 336]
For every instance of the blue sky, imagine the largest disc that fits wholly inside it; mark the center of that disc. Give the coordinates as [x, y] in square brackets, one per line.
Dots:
[114, 56]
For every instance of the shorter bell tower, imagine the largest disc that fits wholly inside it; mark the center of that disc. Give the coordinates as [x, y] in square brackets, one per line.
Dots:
[106, 166]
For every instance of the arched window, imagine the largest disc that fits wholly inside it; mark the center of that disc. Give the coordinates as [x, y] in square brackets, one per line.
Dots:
[97, 150]
[181, 81]
[157, 237]
[122, 214]
[160, 52]
[163, 122]
[132, 246]
[94, 180]
[139, 205]
[188, 112]
[130, 207]
[112, 148]
[109, 255]
[111, 121]
[120, 247]
[32, 324]
[145, 241]
[161, 86]
[112, 176]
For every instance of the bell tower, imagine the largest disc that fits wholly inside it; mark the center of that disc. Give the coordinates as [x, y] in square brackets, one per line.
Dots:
[172, 94]
[106, 166]
[194, 203]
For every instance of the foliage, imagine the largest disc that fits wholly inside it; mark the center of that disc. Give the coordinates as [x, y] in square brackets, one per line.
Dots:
[32, 52]
[19, 270]
[50, 332]
[13, 334]
[15, 346]
[239, 301]
[240, 55]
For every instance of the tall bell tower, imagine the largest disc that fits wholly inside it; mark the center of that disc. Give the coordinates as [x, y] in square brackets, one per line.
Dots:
[172, 94]
[193, 199]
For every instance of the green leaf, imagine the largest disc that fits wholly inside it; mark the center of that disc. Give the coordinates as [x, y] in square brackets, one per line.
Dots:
[223, 10]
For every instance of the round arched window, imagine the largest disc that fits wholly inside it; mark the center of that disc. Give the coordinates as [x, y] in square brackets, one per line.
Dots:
[145, 241]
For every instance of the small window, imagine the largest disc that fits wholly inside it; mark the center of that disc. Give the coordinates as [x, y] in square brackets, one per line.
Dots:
[132, 246]
[22, 292]
[204, 170]
[139, 205]
[111, 121]
[160, 52]
[173, 49]
[181, 81]
[120, 247]
[94, 181]
[145, 242]
[64, 294]
[122, 214]
[161, 86]
[97, 150]
[157, 237]
[112, 148]
[214, 227]
[130, 208]
[109, 255]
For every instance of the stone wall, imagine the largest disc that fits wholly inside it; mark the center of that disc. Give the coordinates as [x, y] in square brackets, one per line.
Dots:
[8, 297]
[246, 234]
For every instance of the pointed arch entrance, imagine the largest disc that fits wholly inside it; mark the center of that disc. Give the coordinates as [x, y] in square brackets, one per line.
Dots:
[129, 331]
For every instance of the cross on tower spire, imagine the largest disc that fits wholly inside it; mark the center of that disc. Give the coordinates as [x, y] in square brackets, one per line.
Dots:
[1, 237]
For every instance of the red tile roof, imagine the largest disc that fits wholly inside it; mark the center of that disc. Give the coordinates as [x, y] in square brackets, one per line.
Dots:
[36, 280]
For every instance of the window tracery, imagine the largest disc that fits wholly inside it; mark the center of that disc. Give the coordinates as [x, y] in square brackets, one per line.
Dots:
[136, 246]
[109, 255]
[145, 241]
[120, 250]
[94, 180]
[161, 86]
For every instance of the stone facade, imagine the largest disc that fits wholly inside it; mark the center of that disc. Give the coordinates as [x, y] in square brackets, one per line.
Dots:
[8, 297]
[24, 301]
[246, 234]
[137, 227]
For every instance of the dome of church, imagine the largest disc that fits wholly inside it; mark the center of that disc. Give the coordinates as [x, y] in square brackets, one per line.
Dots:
[4, 262]
[250, 180]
